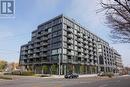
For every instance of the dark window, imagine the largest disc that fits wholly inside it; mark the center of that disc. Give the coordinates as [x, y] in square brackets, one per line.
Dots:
[54, 34]
[55, 45]
[55, 58]
[57, 27]
[101, 60]
[56, 39]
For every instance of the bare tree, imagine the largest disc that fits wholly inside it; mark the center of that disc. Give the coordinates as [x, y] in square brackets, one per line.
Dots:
[118, 19]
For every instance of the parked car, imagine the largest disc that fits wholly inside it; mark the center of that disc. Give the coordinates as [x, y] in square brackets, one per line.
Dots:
[71, 75]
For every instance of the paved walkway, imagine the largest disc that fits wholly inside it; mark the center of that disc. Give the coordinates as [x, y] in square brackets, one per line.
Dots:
[62, 76]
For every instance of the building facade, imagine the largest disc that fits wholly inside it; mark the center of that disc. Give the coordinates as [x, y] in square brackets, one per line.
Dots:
[107, 61]
[118, 61]
[63, 45]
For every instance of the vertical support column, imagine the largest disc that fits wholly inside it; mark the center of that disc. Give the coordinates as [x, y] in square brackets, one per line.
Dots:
[59, 64]
[64, 69]
[73, 69]
[61, 70]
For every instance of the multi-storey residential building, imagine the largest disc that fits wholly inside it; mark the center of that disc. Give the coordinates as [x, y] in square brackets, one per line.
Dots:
[106, 57]
[118, 61]
[65, 45]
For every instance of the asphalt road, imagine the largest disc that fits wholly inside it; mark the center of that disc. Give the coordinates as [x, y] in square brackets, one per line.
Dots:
[80, 82]
[114, 82]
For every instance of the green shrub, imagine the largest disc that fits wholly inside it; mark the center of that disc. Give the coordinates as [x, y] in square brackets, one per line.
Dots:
[110, 74]
[27, 73]
[5, 77]
[44, 75]
[7, 73]
[16, 73]
[23, 73]
[54, 69]
[45, 69]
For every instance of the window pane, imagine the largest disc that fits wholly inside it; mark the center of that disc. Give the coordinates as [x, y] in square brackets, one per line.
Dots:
[59, 50]
[54, 51]
[49, 30]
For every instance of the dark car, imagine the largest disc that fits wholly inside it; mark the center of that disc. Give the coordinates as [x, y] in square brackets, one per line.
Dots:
[71, 75]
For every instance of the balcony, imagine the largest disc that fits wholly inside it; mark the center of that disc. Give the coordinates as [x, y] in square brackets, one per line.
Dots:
[85, 42]
[90, 44]
[78, 39]
[91, 48]
[91, 57]
[95, 45]
[45, 33]
[95, 54]
[69, 53]
[94, 41]
[45, 38]
[36, 50]
[36, 56]
[24, 48]
[70, 41]
[95, 63]
[91, 63]
[79, 50]
[70, 30]
[24, 57]
[78, 34]
[37, 45]
[81, 40]
[86, 47]
[30, 56]
[94, 50]
[90, 39]
[95, 59]
[85, 37]
[44, 49]
[79, 45]
[70, 36]
[30, 47]
[69, 60]
[80, 55]
[70, 47]
[24, 53]
[45, 43]
[37, 40]
[43, 55]
[86, 56]
[91, 53]
[30, 52]
[44, 60]
[85, 51]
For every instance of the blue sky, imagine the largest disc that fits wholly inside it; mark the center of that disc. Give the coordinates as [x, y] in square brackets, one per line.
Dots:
[15, 32]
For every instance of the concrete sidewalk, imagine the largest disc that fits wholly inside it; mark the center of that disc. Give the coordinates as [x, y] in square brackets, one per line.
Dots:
[62, 76]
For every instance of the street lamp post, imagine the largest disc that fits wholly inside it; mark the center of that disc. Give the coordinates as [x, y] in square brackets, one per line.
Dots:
[59, 63]
[59, 52]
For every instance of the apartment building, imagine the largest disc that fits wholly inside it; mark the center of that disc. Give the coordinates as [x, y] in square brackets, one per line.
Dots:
[118, 61]
[67, 46]
[107, 61]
